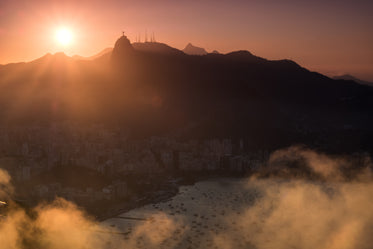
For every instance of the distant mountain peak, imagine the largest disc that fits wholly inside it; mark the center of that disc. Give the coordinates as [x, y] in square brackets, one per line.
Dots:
[123, 42]
[353, 78]
[55, 55]
[122, 48]
[193, 50]
[60, 55]
[95, 56]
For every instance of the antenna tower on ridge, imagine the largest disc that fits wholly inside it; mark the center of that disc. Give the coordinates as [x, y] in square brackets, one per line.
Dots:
[153, 37]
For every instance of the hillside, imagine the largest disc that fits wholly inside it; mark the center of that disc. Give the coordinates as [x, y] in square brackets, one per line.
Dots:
[193, 50]
[157, 90]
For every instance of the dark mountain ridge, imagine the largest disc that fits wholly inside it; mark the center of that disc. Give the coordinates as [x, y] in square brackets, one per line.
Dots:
[156, 47]
[352, 78]
[154, 89]
[99, 54]
[193, 50]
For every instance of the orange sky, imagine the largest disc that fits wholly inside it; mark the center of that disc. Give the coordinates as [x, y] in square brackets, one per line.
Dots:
[333, 37]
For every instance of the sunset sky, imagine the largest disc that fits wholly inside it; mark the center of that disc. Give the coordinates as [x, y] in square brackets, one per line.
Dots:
[330, 36]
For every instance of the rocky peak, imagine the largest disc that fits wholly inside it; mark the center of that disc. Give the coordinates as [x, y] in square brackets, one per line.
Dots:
[122, 48]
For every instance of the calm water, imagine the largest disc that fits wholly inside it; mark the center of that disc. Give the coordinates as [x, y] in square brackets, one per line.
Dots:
[199, 216]
[257, 213]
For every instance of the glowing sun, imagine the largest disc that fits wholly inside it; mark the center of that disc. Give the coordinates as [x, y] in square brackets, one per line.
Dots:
[64, 36]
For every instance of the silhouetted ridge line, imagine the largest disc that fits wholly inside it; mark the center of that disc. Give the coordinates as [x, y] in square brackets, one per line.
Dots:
[154, 89]
[122, 48]
[352, 78]
[193, 50]
[104, 52]
[156, 47]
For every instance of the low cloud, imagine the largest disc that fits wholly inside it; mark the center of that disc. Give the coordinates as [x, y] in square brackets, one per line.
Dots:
[301, 162]
[6, 188]
[303, 214]
[327, 210]
[61, 225]
[310, 200]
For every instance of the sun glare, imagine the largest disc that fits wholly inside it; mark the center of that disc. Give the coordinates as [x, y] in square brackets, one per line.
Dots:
[64, 36]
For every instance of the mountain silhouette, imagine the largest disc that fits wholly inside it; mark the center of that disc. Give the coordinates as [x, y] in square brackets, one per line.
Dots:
[156, 47]
[193, 50]
[122, 49]
[99, 54]
[153, 89]
[350, 77]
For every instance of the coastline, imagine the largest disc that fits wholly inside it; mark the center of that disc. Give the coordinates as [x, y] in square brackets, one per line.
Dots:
[161, 195]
